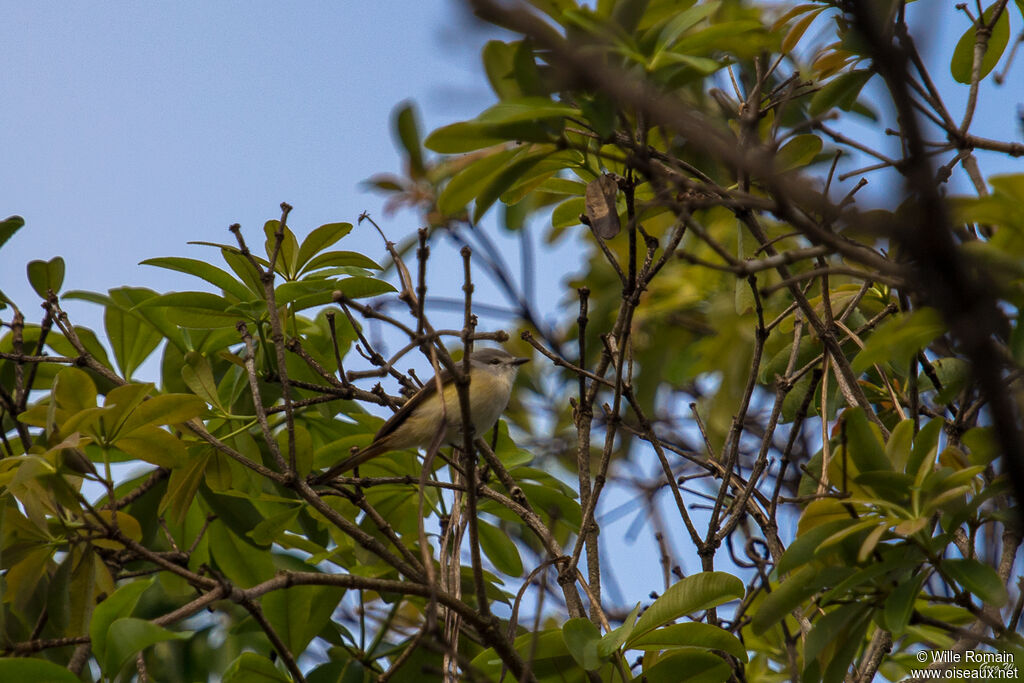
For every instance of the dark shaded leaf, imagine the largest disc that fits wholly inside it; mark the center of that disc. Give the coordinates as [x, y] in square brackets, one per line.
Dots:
[299, 613]
[979, 579]
[34, 671]
[842, 92]
[700, 667]
[129, 636]
[864, 442]
[252, 668]
[118, 605]
[408, 135]
[797, 153]
[9, 226]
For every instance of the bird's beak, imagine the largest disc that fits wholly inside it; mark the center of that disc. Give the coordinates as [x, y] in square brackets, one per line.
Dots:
[520, 361]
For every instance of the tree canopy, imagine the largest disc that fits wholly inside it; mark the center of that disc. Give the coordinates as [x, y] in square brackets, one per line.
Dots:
[811, 401]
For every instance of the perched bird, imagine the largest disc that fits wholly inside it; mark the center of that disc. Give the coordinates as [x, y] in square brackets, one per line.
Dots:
[491, 374]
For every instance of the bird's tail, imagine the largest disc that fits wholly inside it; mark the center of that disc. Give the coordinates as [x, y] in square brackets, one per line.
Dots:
[368, 453]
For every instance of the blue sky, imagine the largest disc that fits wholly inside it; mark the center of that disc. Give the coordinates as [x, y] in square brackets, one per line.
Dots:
[130, 128]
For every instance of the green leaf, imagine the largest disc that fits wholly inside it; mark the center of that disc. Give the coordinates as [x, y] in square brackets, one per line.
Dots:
[581, 639]
[252, 668]
[299, 613]
[198, 375]
[121, 402]
[153, 445]
[127, 637]
[898, 564]
[806, 545]
[692, 634]
[201, 310]
[323, 294]
[683, 22]
[46, 275]
[9, 226]
[500, 549]
[523, 109]
[320, 239]
[963, 54]
[499, 59]
[505, 178]
[74, 390]
[864, 442]
[92, 344]
[688, 595]
[897, 448]
[183, 484]
[268, 531]
[409, 136]
[129, 298]
[979, 579]
[797, 153]
[797, 30]
[361, 287]
[120, 604]
[952, 373]
[165, 409]
[288, 252]
[568, 213]
[242, 267]
[341, 258]
[237, 513]
[468, 136]
[34, 670]
[900, 604]
[131, 338]
[899, 339]
[201, 269]
[926, 444]
[700, 667]
[471, 180]
[465, 136]
[792, 593]
[244, 564]
[614, 639]
[830, 628]
[842, 92]
[746, 37]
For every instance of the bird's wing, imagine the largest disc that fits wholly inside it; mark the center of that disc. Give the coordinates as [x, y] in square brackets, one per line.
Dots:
[426, 391]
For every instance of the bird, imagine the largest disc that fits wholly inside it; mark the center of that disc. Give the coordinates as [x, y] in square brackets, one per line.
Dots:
[491, 374]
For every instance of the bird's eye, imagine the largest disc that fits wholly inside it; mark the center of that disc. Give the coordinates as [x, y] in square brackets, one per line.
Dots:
[495, 361]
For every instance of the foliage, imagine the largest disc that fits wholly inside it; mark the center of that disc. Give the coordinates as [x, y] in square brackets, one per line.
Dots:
[831, 388]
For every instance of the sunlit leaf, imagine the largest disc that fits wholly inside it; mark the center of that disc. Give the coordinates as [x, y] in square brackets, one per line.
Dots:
[46, 275]
[201, 269]
[688, 595]
[963, 55]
